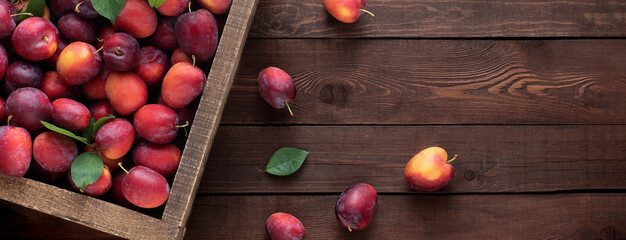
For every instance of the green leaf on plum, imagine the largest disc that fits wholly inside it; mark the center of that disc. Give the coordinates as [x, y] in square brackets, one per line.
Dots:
[54, 128]
[155, 3]
[35, 7]
[86, 169]
[89, 130]
[109, 9]
[286, 161]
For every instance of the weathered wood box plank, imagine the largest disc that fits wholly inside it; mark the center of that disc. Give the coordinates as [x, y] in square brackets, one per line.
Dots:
[123, 222]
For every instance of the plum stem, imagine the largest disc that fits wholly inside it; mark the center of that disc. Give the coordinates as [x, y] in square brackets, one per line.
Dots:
[76, 8]
[99, 49]
[455, 155]
[189, 6]
[349, 229]
[290, 112]
[20, 14]
[9, 120]
[122, 167]
[184, 125]
[368, 12]
[45, 39]
[193, 60]
[118, 52]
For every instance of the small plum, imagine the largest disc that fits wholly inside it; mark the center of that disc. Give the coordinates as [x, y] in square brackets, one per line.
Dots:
[29, 106]
[126, 92]
[99, 187]
[78, 63]
[145, 188]
[137, 18]
[54, 152]
[156, 123]
[429, 170]
[105, 32]
[347, 11]
[15, 151]
[179, 56]
[173, 8]
[74, 28]
[216, 6]
[23, 73]
[277, 87]
[162, 158]
[164, 37]
[94, 88]
[182, 84]
[121, 52]
[115, 138]
[70, 114]
[7, 22]
[196, 33]
[61, 7]
[153, 64]
[55, 88]
[35, 39]
[85, 9]
[284, 226]
[101, 109]
[355, 206]
[116, 190]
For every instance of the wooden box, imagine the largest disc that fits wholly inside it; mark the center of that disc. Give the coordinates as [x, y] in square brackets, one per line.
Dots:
[126, 223]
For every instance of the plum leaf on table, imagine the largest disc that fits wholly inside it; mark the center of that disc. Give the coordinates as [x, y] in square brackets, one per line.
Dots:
[286, 161]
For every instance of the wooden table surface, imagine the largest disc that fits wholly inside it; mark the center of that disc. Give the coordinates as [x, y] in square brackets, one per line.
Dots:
[530, 94]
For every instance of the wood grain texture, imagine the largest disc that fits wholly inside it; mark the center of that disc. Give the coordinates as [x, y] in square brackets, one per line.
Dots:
[85, 210]
[383, 81]
[209, 111]
[552, 216]
[491, 158]
[445, 18]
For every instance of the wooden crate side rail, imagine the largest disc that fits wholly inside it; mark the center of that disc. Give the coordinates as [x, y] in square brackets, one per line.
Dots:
[209, 112]
[84, 210]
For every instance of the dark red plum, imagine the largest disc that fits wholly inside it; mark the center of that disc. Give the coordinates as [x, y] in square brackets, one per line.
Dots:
[55, 88]
[162, 158]
[29, 106]
[121, 52]
[61, 7]
[116, 190]
[94, 88]
[156, 123]
[4, 62]
[70, 114]
[153, 64]
[164, 37]
[7, 23]
[23, 74]
[196, 33]
[3, 111]
[35, 39]
[355, 206]
[54, 152]
[284, 226]
[101, 109]
[276, 87]
[145, 188]
[105, 32]
[85, 9]
[74, 28]
[51, 62]
[15, 151]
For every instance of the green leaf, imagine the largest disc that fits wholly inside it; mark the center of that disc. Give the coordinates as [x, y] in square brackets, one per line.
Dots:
[286, 161]
[88, 131]
[53, 128]
[36, 7]
[99, 124]
[86, 169]
[155, 3]
[108, 8]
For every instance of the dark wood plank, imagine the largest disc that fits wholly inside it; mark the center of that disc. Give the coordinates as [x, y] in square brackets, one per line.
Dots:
[491, 158]
[445, 18]
[357, 81]
[544, 216]
[209, 112]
